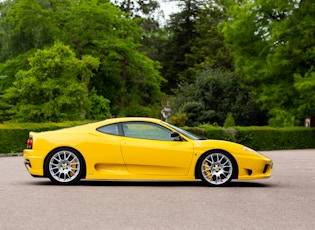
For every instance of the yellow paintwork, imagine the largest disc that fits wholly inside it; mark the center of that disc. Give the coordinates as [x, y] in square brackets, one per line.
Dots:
[117, 157]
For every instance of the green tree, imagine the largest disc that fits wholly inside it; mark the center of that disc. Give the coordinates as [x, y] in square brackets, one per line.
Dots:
[153, 37]
[9, 69]
[126, 76]
[181, 36]
[213, 95]
[208, 47]
[10, 46]
[97, 28]
[26, 26]
[53, 88]
[306, 88]
[273, 45]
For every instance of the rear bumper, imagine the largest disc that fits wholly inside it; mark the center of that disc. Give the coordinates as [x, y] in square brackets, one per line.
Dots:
[34, 163]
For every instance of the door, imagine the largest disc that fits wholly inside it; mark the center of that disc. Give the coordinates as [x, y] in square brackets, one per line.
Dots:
[149, 149]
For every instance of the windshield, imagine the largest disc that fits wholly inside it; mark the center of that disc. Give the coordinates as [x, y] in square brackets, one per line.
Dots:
[185, 133]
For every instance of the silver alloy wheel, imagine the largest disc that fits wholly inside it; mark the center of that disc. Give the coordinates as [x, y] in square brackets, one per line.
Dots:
[217, 169]
[64, 166]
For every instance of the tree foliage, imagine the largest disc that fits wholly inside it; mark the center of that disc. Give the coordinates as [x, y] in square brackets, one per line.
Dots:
[217, 57]
[273, 44]
[178, 45]
[99, 107]
[91, 28]
[53, 88]
[212, 96]
[208, 47]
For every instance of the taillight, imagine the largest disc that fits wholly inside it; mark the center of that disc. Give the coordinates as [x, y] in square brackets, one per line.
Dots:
[29, 144]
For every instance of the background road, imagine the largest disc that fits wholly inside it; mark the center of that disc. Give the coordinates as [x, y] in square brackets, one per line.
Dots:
[285, 201]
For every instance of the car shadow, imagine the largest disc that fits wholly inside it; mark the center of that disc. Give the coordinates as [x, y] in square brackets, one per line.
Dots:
[106, 183]
[166, 184]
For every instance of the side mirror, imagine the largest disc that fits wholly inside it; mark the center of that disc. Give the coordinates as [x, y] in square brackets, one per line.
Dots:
[175, 135]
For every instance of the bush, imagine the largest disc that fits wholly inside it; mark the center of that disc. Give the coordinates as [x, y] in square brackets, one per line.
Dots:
[281, 119]
[136, 110]
[196, 130]
[178, 120]
[213, 132]
[229, 121]
[99, 107]
[191, 109]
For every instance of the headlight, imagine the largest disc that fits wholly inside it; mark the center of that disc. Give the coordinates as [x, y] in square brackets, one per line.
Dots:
[246, 149]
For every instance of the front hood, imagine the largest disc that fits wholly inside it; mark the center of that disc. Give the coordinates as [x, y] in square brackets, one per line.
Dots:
[230, 147]
[219, 144]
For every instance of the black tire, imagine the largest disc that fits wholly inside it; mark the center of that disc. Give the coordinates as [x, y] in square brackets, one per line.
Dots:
[216, 168]
[64, 166]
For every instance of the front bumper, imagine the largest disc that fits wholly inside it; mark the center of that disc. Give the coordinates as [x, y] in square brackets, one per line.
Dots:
[257, 168]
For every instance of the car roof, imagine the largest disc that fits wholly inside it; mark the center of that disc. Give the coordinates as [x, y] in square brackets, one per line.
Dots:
[124, 119]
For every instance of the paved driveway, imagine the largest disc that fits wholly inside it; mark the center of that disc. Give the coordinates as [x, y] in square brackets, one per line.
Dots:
[285, 201]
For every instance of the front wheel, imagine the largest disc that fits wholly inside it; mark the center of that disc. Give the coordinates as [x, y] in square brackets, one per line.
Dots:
[216, 169]
[64, 166]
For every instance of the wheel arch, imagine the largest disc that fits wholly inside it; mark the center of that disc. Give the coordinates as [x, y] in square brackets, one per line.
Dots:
[66, 148]
[235, 173]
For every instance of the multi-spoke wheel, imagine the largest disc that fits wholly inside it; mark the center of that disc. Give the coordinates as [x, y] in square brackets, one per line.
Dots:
[216, 168]
[64, 166]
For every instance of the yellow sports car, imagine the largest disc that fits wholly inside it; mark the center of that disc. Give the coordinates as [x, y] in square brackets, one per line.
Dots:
[139, 149]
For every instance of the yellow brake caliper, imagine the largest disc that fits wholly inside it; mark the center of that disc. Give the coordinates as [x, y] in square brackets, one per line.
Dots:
[207, 171]
[73, 167]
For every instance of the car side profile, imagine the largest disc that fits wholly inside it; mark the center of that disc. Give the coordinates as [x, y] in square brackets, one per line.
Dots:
[139, 149]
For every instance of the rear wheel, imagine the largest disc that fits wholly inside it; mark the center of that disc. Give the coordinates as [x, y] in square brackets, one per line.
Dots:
[216, 168]
[64, 166]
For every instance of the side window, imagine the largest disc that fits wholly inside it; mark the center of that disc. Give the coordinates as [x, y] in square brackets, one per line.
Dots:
[145, 130]
[109, 129]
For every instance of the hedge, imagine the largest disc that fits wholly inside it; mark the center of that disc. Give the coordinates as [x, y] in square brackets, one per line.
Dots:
[261, 138]
[13, 136]
[267, 138]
